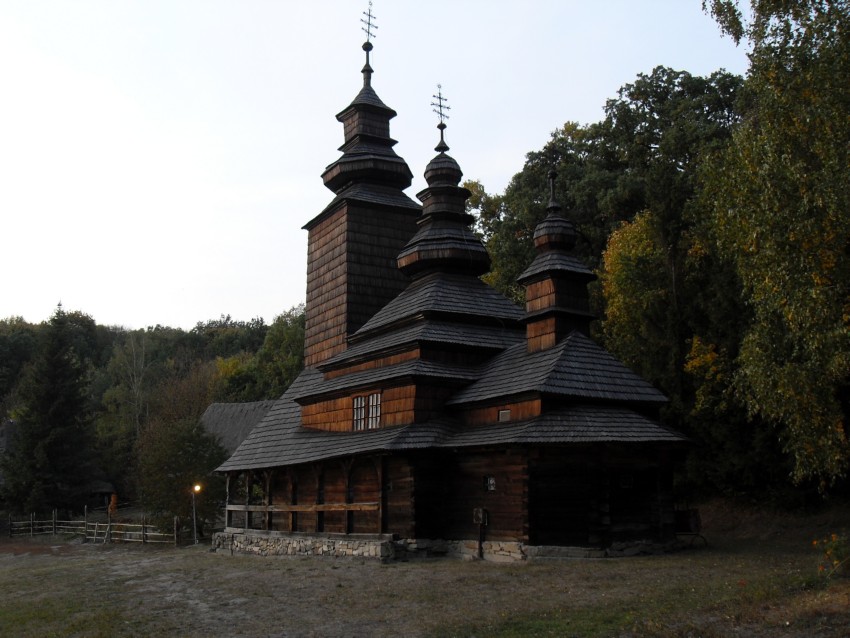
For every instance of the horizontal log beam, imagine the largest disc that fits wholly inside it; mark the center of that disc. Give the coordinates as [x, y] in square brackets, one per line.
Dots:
[315, 507]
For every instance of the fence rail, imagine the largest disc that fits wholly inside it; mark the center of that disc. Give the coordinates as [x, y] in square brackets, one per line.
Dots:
[107, 531]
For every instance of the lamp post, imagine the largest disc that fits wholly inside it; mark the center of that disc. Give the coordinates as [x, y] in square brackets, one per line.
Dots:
[196, 488]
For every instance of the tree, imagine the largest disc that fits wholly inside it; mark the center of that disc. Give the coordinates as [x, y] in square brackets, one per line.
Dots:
[643, 156]
[268, 373]
[638, 295]
[49, 463]
[17, 349]
[172, 456]
[780, 194]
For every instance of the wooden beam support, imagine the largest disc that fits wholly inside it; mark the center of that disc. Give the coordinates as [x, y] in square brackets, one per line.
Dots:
[317, 507]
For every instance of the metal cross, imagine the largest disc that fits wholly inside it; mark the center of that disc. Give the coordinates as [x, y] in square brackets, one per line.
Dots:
[370, 25]
[440, 106]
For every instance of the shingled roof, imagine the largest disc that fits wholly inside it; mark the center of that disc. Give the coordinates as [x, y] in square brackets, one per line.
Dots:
[446, 293]
[575, 368]
[278, 439]
[406, 370]
[232, 422]
[368, 194]
[473, 335]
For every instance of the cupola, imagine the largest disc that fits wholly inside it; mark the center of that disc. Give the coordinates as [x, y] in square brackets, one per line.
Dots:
[444, 240]
[556, 297]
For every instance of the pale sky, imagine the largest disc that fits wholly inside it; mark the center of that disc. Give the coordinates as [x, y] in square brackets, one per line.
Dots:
[158, 158]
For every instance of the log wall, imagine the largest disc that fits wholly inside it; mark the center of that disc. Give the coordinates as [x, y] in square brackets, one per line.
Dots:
[454, 485]
[367, 495]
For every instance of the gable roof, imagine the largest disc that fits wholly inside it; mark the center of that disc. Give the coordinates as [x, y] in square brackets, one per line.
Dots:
[576, 368]
[233, 422]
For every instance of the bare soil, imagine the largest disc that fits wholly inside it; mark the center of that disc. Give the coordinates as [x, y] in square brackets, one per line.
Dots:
[757, 577]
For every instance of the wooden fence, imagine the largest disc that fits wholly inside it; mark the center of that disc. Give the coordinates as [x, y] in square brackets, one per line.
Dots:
[95, 531]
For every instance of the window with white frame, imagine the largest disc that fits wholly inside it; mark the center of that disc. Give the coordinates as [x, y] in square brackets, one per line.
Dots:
[359, 412]
[367, 412]
[374, 420]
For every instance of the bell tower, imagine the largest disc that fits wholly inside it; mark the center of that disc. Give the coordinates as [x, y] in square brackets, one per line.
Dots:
[354, 242]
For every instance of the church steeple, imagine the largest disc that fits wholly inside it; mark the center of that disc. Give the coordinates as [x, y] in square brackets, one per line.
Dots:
[367, 154]
[444, 241]
[556, 298]
[354, 241]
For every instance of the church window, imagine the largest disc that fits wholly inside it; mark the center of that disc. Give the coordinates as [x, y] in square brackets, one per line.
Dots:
[359, 412]
[374, 420]
[367, 412]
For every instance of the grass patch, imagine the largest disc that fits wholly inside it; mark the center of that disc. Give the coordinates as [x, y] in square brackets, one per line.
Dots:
[758, 580]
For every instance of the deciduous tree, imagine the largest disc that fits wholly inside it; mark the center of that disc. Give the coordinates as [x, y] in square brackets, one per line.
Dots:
[780, 195]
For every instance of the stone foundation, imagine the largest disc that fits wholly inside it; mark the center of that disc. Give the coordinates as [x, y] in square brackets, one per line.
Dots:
[333, 545]
[384, 548]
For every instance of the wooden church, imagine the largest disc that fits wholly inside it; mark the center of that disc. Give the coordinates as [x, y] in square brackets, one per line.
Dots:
[432, 411]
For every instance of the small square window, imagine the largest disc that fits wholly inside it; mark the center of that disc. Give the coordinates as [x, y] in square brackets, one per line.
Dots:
[504, 415]
[490, 483]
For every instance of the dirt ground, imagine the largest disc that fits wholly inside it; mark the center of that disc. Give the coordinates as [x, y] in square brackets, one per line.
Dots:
[756, 579]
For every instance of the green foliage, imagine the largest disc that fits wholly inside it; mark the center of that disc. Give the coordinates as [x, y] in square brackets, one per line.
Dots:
[49, 463]
[17, 349]
[225, 337]
[172, 456]
[631, 177]
[268, 373]
[780, 196]
[643, 156]
[638, 297]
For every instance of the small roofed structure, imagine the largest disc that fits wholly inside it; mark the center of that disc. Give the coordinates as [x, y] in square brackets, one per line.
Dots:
[232, 422]
[445, 416]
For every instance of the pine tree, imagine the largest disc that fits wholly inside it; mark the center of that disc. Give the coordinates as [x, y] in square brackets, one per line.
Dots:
[48, 465]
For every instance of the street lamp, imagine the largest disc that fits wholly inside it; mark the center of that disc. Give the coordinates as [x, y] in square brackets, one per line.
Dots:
[196, 489]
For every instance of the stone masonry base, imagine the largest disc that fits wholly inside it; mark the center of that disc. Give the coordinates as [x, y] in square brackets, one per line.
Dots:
[385, 548]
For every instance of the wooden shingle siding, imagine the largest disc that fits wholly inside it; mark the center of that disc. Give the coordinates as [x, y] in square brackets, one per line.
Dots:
[556, 291]
[337, 415]
[542, 334]
[351, 273]
[374, 238]
[364, 123]
[325, 304]
[400, 357]
[519, 411]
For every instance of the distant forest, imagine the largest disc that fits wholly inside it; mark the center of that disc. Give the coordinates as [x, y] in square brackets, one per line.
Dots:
[100, 403]
[714, 210]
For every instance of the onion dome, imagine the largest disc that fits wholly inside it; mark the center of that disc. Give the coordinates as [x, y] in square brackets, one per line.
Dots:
[445, 240]
[556, 298]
